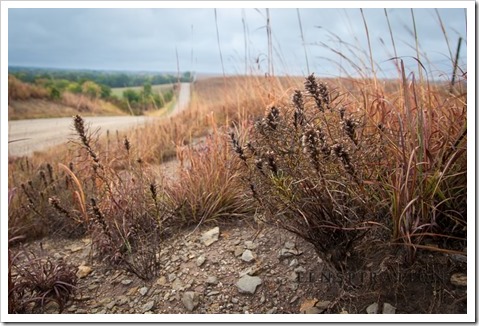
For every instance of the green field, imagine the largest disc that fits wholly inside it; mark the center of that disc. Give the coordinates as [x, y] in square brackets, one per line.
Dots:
[155, 88]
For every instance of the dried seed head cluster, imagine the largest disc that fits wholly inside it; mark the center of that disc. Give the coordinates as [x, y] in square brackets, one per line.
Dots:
[270, 156]
[319, 92]
[127, 144]
[79, 125]
[272, 118]
[55, 203]
[344, 157]
[237, 147]
[310, 142]
[298, 102]
[349, 127]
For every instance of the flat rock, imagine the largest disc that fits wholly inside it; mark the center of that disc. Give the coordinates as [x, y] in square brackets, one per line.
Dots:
[211, 236]
[248, 284]
[148, 306]
[372, 308]
[248, 256]
[212, 280]
[322, 305]
[171, 277]
[126, 282]
[388, 308]
[83, 271]
[289, 245]
[190, 300]
[459, 279]
[285, 253]
[143, 290]
[200, 261]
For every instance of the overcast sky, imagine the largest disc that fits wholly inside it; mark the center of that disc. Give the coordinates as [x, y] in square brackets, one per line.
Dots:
[148, 39]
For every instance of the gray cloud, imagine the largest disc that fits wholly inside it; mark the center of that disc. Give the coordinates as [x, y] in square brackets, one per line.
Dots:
[147, 39]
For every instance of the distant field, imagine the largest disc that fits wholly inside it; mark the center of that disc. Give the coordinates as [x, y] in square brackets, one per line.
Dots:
[155, 88]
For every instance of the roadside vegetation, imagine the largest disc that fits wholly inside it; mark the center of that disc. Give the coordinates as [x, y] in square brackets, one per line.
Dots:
[370, 172]
[45, 95]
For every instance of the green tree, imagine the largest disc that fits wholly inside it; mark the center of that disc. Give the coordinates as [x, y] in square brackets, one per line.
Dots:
[55, 93]
[74, 88]
[131, 96]
[105, 91]
[91, 89]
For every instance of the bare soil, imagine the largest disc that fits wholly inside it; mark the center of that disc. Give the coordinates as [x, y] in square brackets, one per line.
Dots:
[291, 283]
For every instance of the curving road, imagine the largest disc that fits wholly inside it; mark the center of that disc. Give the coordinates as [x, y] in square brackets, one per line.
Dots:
[27, 136]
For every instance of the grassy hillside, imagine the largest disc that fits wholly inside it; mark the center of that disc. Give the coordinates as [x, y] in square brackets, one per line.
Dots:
[159, 89]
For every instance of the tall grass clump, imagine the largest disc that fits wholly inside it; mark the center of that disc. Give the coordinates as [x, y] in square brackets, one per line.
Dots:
[427, 185]
[124, 206]
[208, 188]
[313, 166]
[342, 173]
[36, 282]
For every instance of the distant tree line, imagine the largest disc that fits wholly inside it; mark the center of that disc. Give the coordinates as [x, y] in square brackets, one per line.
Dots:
[111, 79]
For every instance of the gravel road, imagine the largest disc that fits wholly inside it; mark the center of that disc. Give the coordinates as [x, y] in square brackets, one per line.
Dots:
[27, 136]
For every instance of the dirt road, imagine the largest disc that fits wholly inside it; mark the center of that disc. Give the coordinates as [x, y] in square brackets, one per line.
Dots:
[27, 136]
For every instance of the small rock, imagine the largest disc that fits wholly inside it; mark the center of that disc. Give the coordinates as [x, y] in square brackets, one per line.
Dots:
[312, 310]
[285, 253]
[212, 280]
[300, 269]
[111, 304]
[238, 251]
[372, 309]
[263, 299]
[211, 236]
[248, 256]
[83, 271]
[294, 299]
[272, 310]
[190, 300]
[294, 262]
[148, 306]
[293, 276]
[248, 284]
[308, 306]
[171, 277]
[322, 305]
[289, 245]
[237, 242]
[126, 282]
[459, 279]
[213, 293]
[174, 258]
[143, 290]
[388, 309]
[200, 261]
